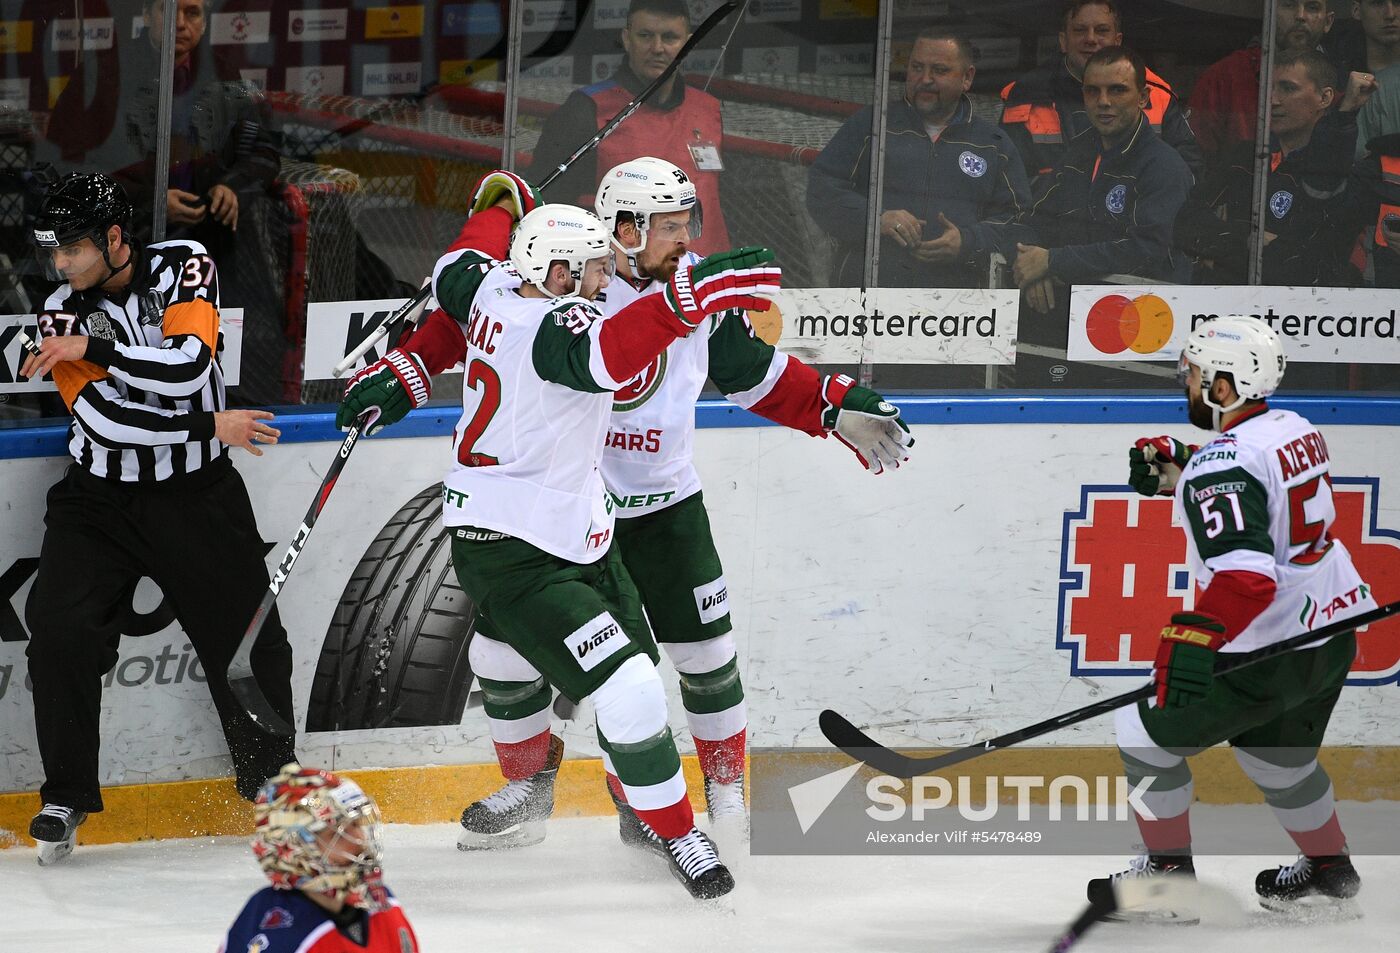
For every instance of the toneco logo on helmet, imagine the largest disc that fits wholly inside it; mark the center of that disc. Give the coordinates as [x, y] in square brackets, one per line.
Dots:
[639, 176]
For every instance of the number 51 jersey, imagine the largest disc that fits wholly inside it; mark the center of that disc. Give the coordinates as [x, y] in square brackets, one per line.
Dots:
[535, 411]
[1258, 498]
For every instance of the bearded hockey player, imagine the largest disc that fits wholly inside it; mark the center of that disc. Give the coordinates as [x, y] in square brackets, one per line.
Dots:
[1256, 503]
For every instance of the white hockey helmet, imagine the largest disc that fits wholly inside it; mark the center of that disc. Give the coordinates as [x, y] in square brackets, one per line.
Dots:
[553, 233]
[644, 187]
[1245, 347]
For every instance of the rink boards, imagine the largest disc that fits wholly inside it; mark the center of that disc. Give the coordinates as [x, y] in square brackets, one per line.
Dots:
[979, 589]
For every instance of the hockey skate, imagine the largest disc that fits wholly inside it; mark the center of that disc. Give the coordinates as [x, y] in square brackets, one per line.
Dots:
[55, 830]
[632, 830]
[1145, 867]
[515, 815]
[725, 805]
[695, 862]
[1311, 888]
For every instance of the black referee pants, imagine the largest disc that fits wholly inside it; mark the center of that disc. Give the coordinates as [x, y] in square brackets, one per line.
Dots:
[200, 545]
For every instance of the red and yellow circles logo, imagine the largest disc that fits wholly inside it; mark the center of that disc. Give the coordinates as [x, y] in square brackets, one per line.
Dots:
[1116, 324]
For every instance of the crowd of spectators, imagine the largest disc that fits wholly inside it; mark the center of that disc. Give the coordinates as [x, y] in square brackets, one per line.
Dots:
[1097, 165]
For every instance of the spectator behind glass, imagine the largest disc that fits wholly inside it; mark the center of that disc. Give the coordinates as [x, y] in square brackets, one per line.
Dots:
[948, 176]
[224, 160]
[1370, 42]
[1306, 239]
[678, 123]
[1044, 109]
[1225, 101]
[1108, 210]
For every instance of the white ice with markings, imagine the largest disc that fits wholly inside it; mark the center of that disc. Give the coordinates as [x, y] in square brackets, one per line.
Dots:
[582, 891]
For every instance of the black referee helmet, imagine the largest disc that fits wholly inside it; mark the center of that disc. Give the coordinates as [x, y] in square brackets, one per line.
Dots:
[81, 205]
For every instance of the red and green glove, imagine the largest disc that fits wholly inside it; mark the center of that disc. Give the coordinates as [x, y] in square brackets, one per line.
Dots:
[865, 422]
[740, 278]
[1155, 464]
[494, 185]
[1185, 665]
[388, 389]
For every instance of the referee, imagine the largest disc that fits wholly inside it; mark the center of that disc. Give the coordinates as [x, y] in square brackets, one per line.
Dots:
[132, 340]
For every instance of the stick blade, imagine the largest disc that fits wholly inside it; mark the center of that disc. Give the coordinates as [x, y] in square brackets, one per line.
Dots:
[245, 689]
[858, 745]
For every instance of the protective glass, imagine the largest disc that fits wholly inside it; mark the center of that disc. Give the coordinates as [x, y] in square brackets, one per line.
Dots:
[1183, 370]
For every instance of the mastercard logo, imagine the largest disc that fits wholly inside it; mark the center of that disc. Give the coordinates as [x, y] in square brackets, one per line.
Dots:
[1117, 323]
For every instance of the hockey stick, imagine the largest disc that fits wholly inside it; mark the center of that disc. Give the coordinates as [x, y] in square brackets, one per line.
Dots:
[862, 747]
[720, 12]
[1142, 895]
[241, 680]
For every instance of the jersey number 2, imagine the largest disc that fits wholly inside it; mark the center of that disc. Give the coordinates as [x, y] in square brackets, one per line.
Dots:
[480, 375]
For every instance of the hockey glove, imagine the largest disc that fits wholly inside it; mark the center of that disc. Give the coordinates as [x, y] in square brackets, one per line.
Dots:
[865, 422]
[1155, 464]
[493, 185]
[1185, 664]
[388, 389]
[740, 278]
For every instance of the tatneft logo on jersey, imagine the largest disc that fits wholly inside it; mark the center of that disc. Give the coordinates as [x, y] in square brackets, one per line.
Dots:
[596, 641]
[1123, 572]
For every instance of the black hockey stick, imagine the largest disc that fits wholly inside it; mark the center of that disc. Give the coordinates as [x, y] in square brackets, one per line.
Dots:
[862, 747]
[720, 12]
[241, 680]
[1173, 896]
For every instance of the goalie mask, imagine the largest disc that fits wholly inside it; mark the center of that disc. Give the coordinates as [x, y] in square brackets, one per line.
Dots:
[81, 205]
[1243, 346]
[558, 233]
[641, 188]
[320, 833]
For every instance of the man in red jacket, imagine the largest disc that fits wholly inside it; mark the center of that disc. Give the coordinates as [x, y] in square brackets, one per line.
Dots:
[679, 123]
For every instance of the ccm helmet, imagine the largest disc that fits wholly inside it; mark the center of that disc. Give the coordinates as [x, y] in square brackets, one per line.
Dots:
[1243, 346]
[553, 233]
[643, 187]
[80, 205]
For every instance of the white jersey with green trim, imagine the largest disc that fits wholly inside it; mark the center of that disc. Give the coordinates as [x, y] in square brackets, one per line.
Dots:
[525, 453]
[1258, 498]
[648, 460]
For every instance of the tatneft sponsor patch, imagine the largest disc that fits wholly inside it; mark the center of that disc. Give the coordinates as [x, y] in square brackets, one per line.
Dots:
[712, 600]
[595, 641]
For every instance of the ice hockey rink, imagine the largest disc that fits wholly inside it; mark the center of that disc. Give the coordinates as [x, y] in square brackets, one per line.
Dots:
[582, 891]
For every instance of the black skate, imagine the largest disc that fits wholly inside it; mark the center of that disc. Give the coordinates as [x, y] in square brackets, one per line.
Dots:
[1313, 887]
[55, 830]
[725, 804]
[632, 830]
[1135, 885]
[696, 863]
[515, 815]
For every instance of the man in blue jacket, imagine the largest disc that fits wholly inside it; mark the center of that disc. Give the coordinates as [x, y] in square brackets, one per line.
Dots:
[949, 176]
[1111, 206]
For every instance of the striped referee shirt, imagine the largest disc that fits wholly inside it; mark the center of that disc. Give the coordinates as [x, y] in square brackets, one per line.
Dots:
[144, 397]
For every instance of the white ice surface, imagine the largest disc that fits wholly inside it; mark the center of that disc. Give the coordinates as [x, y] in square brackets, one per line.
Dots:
[582, 891]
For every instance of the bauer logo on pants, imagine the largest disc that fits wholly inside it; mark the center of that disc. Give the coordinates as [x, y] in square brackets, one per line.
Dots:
[595, 641]
[1123, 572]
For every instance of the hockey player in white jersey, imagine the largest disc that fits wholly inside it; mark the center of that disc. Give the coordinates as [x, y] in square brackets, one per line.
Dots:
[531, 522]
[663, 530]
[1256, 502]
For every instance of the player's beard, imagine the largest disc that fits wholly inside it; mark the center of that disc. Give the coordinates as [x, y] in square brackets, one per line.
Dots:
[1199, 412]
